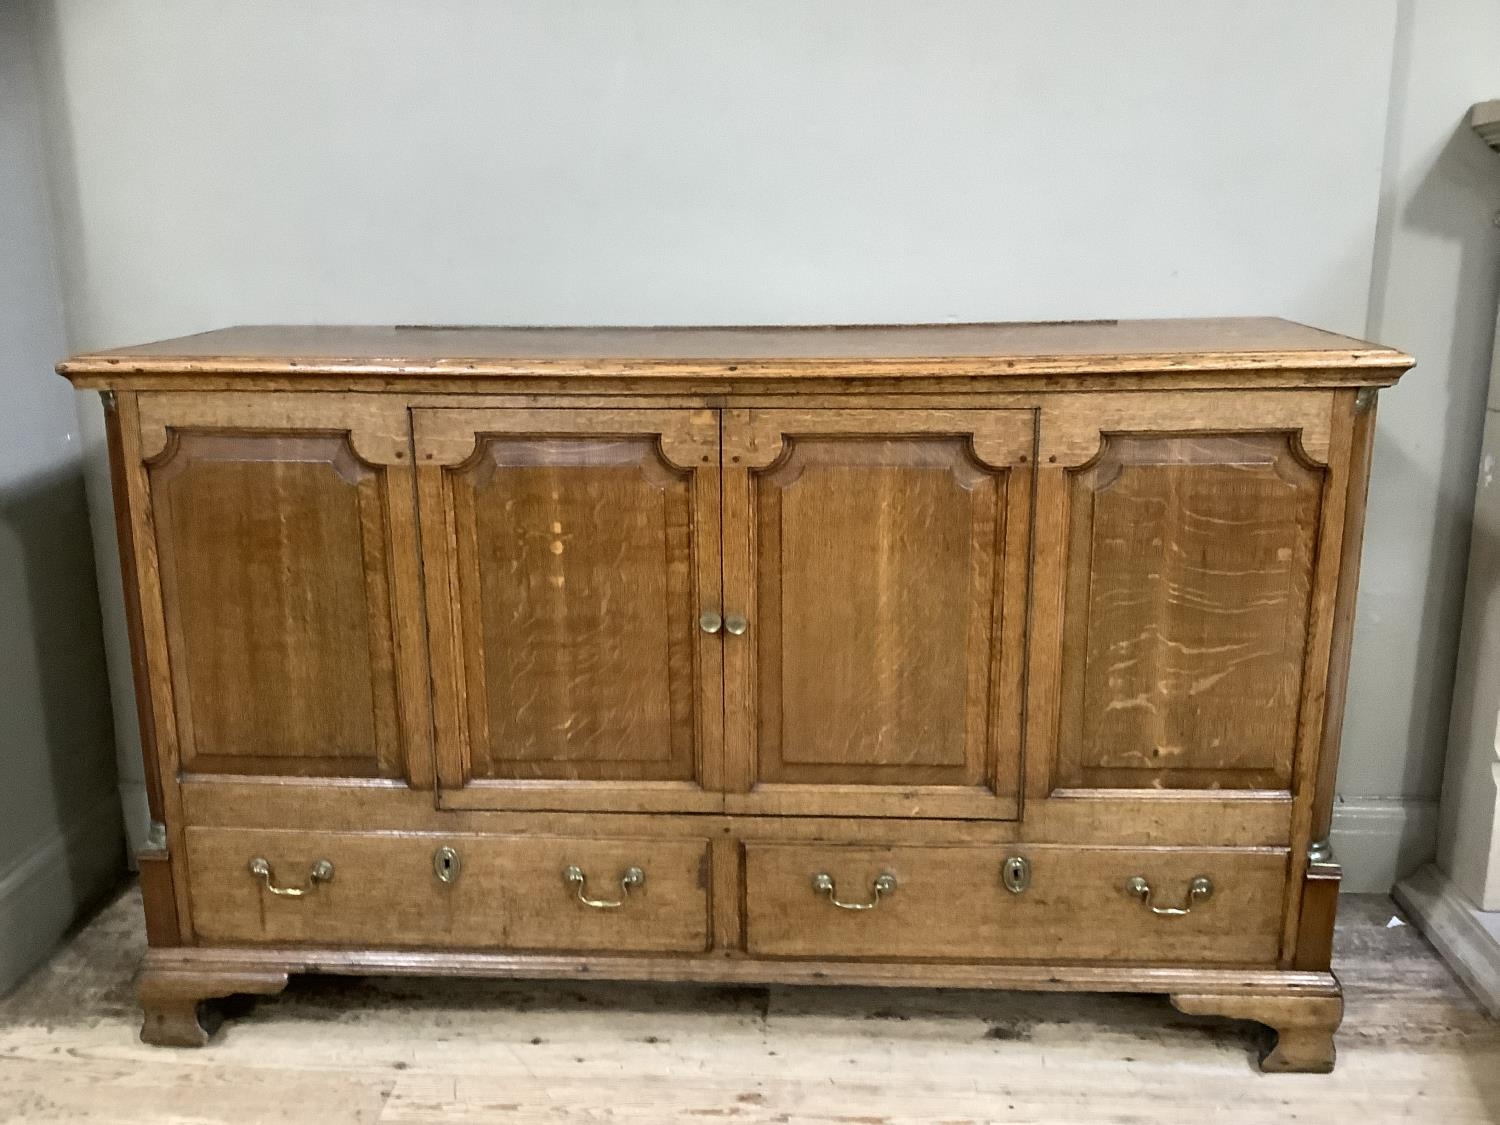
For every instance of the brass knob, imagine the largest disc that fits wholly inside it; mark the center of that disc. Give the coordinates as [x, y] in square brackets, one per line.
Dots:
[735, 623]
[709, 621]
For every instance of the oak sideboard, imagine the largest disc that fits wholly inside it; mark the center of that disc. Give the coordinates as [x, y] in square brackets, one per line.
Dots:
[998, 656]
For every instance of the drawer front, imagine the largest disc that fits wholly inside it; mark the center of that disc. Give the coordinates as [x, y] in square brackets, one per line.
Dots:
[505, 892]
[944, 903]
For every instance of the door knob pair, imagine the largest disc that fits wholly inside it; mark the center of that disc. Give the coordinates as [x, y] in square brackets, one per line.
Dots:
[711, 622]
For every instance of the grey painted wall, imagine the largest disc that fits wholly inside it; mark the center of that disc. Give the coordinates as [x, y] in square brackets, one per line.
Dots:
[1434, 293]
[661, 161]
[61, 841]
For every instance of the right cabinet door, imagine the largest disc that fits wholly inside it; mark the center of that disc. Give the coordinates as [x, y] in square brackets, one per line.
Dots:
[1186, 550]
[875, 569]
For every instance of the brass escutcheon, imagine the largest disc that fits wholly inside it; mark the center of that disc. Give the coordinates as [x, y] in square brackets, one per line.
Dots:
[1015, 873]
[447, 864]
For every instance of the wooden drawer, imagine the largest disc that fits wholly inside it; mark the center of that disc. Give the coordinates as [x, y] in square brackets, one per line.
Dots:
[950, 903]
[510, 891]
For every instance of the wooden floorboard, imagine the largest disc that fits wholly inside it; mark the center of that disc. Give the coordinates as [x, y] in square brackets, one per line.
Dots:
[1414, 1046]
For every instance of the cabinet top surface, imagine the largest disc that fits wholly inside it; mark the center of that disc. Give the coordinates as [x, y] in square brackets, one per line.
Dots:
[1066, 347]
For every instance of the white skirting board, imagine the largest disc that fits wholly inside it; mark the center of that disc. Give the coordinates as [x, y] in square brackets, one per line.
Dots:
[1380, 842]
[137, 817]
[43, 892]
[1468, 938]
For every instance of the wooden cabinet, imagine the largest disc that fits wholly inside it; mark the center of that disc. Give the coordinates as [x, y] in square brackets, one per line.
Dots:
[979, 655]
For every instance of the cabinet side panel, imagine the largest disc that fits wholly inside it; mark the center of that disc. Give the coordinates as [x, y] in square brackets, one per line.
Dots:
[140, 672]
[1361, 449]
[158, 889]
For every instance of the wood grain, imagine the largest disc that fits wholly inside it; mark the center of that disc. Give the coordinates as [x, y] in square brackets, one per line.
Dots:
[1413, 1046]
[1102, 346]
[884, 588]
[578, 550]
[161, 755]
[275, 565]
[131, 596]
[1322, 614]
[1296, 483]
[174, 1000]
[1319, 909]
[582, 657]
[1073, 427]
[1362, 449]
[1146, 817]
[1080, 593]
[163, 927]
[950, 904]
[1303, 1027]
[870, 556]
[509, 893]
[375, 427]
[1187, 613]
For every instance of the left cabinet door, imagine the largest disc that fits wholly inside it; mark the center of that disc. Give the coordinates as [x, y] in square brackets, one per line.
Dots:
[281, 531]
[571, 562]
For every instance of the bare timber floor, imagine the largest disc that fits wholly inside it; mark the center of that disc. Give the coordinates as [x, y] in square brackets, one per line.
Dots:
[1414, 1047]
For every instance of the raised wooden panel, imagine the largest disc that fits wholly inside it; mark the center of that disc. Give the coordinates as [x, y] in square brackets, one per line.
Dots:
[274, 552]
[576, 581]
[1187, 611]
[884, 548]
[580, 561]
[872, 556]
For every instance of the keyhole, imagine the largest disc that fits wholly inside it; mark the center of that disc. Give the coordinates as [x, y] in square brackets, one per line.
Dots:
[1016, 874]
[446, 864]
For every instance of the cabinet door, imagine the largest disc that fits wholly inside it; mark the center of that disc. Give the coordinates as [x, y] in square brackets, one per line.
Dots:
[282, 530]
[568, 556]
[1185, 548]
[879, 558]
